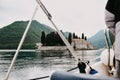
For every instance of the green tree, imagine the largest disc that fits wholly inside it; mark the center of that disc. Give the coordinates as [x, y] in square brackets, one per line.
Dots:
[70, 38]
[53, 39]
[74, 36]
[43, 38]
[83, 36]
[48, 40]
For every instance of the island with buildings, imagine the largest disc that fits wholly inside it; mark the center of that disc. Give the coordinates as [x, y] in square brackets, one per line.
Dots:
[77, 44]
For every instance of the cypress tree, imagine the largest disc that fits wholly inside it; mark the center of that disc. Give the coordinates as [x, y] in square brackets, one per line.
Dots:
[74, 36]
[43, 38]
[82, 35]
[85, 38]
[70, 38]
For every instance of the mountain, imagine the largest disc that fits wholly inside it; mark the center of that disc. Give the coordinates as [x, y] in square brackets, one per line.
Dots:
[10, 35]
[98, 40]
[66, 34]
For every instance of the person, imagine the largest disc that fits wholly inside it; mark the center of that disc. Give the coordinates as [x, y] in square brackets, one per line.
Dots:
[112, 19]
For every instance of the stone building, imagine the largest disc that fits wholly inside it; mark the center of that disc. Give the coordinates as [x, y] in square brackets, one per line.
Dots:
[81, 44]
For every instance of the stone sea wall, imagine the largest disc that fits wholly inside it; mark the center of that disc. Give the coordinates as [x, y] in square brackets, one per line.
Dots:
[52, 48]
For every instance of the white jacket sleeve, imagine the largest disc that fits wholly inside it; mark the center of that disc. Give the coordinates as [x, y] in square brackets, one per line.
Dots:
[110, 21]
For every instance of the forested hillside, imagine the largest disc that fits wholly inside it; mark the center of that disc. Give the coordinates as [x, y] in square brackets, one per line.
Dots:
[10, 35]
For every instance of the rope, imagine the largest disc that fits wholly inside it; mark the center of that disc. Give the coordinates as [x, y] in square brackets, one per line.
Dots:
[20, 45]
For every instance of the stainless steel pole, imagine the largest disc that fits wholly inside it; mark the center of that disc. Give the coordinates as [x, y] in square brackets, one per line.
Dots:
[20, 45]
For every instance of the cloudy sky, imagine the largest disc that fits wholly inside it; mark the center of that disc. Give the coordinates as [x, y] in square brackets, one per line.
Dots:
[79, 16]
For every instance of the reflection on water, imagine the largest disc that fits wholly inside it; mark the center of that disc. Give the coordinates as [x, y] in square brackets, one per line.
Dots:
[37, 64]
